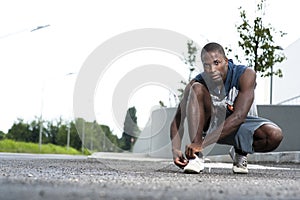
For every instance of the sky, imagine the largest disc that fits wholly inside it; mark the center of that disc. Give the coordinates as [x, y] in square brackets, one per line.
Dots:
[38, 69]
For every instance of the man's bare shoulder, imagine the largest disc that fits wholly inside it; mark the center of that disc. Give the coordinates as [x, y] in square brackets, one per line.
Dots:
[248, 79]
[249, 70]
[248, 74]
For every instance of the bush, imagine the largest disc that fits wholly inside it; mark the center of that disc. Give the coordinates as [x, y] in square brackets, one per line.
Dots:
[28, 147]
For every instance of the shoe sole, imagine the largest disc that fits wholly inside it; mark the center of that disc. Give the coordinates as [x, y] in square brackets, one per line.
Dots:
[190, 171]
[238, 170]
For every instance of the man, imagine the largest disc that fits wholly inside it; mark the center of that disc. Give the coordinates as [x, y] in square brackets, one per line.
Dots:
[216, 104]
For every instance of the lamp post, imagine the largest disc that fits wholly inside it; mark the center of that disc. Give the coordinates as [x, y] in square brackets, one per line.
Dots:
[82, 142]
[41, 121]
[41, 118]
[271, 79]
[69, 121]
[68, 136]
[271, 86]
[25, 30]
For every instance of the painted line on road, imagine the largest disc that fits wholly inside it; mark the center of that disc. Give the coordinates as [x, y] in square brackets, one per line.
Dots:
[250, 166]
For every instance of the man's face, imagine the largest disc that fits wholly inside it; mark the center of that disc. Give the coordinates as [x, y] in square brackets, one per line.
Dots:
[215, 65]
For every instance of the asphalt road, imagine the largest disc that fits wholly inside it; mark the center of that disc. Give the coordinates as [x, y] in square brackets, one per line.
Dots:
[32, 177]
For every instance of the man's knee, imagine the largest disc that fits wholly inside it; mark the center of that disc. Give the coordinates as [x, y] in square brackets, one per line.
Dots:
[275, 136]
[198, 90]
[267, 138]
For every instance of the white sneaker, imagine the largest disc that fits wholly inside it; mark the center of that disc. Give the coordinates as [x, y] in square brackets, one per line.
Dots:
[195, 166]
[239, 162]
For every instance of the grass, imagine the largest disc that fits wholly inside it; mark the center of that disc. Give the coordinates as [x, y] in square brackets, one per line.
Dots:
[28, 147]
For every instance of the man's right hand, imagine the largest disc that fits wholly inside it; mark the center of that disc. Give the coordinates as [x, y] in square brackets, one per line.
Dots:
[179, 159]
[192, 149]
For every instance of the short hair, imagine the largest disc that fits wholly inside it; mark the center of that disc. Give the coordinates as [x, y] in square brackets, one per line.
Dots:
[213, 46]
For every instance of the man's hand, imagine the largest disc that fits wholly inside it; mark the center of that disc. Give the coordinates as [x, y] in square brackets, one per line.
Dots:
[178, 158]
[191, 149]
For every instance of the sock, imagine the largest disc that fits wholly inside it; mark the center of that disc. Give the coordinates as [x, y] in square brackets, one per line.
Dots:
[238, 151]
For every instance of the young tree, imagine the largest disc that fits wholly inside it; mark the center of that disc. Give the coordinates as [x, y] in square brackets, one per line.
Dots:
[258, 44]
[190, 61]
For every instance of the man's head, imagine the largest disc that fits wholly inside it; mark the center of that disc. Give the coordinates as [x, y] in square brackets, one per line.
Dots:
[215, 62]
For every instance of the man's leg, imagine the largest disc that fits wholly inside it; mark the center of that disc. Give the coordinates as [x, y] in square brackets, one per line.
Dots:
[267, 138]
[198, 111]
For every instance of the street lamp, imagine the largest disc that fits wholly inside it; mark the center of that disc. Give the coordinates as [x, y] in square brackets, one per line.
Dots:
[41, 118]
[69, 122]
[271, 79]
[24, 30]
[271, 86]
[39, 27]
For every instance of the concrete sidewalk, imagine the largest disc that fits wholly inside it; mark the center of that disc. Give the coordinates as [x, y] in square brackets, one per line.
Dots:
[273, 157]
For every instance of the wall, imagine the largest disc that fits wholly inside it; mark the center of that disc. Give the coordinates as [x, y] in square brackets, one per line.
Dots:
[155, 139]
[288, 118]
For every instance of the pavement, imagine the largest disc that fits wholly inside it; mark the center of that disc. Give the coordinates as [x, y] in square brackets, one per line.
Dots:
[138, 176]
[211, 162]
[271, 157]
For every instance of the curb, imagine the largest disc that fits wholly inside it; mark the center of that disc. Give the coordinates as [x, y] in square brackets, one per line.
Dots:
[127, 156]
[273, 157]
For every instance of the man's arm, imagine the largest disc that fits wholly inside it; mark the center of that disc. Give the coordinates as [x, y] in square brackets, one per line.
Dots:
[177, 129]
[242, 104]
[176, 134]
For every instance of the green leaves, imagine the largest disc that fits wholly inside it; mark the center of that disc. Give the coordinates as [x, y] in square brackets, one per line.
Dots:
[189, 60]
[258, 45]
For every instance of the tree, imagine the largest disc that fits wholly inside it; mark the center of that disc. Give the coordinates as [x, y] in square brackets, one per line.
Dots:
[111, 142]
[20, 131]
[62, 135]
[95, 137]
[75, 140]
[35, 130]
[52, 129]
[131, 130]
[189, 60]
[2, 135]
[258, 44]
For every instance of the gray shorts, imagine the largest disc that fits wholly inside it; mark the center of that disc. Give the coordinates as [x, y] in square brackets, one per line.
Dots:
[243, 138]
